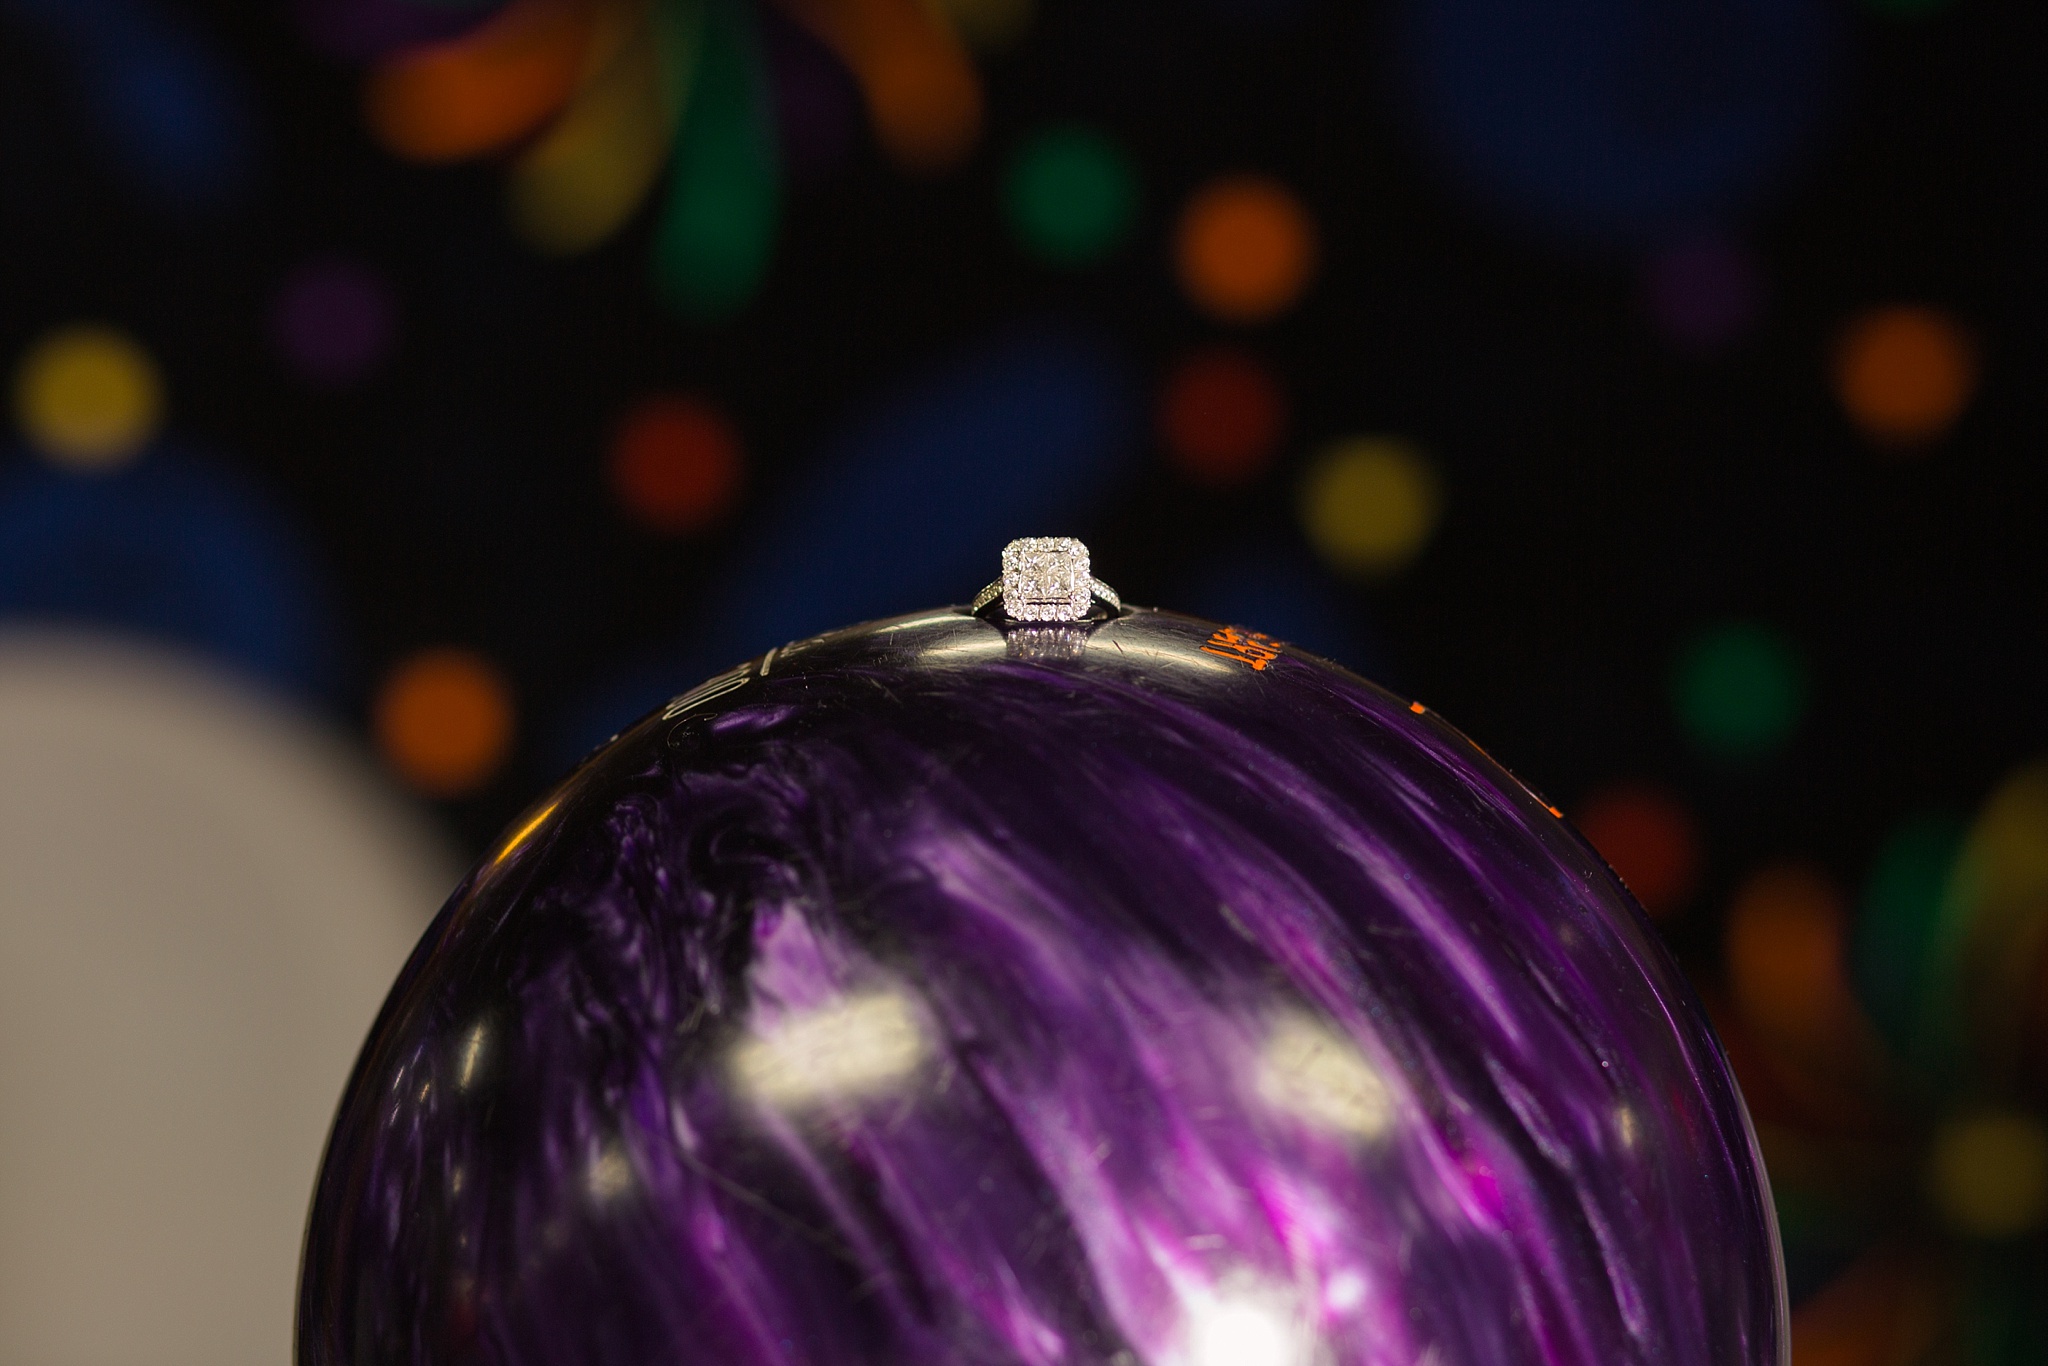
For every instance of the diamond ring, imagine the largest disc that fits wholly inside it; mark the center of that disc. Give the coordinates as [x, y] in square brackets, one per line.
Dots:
[1046, 578]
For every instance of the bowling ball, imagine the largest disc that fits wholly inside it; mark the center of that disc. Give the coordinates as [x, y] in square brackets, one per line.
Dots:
[1137, 992]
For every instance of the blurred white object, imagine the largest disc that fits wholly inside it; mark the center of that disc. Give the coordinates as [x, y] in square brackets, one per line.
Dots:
[203, 900]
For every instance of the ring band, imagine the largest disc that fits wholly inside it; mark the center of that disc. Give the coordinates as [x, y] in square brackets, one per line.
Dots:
[1097, 589]
[1046, 578]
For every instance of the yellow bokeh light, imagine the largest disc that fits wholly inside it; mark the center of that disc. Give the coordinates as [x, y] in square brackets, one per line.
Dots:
[1369, 504]
[582, 180]
[1988, 1174]
[88, 396]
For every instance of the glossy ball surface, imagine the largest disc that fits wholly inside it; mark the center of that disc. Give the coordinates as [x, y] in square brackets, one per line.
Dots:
[1135, 993]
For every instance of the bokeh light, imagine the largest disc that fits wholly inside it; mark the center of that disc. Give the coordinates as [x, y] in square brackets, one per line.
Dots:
[1896, 933]
[1610, 121]
[990, 25]
[585, 176]
[818, 114]
[1989, 956]
[1987, 1174]
[485, 90]
[1786, 956]
[443, 721]
[1739, 689]
[675, 464]
[173, 548]
[1702, 292]
[1904, 373]
[1071, 195]
[717, 232]
[1369, 504]
[171, 108]
[924, 96]
[87, 396]
[1221, 417]
[333, 321]
[1649, 837]
[206, 894]
[1245, 248]
[1886, 1310]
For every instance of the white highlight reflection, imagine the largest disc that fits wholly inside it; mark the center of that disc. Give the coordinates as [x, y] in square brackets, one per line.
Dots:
[855, 1048]
[1245, 1330]
[1310, 1071]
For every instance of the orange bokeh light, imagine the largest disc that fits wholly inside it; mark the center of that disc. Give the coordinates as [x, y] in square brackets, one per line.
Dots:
[1785, 954]
[675, 465]
[1886, 1308]
[1904, 374]
[1648, 836]
[1245, 248]
[443, 721]
[485, 90]
[922, 90]
[1221, 416]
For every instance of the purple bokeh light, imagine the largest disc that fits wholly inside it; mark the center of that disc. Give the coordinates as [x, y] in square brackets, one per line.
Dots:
[1702, 292]
[334, 321]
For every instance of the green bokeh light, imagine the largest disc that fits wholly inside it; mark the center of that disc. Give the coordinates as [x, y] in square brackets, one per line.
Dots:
[1071, 196]
[717, 233]
[1894, 947]
[1739, 690]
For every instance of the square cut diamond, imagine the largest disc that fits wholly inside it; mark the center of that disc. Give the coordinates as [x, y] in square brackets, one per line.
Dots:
[1045, 578]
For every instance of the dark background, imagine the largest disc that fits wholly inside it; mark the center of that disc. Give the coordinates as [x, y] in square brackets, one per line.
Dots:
[1608, 492]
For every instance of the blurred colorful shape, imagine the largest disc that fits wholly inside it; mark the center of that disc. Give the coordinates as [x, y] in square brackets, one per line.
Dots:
[1649, 837]
[443, 720]
[818, 113]
[1989, 957]
[362, 29]
[1739, 689]
[1786, 952]
[675, 465]
[206, 898]
[1245, 248]
[923, 95]
[1071, 195]
[333, 321]
[1893, 953]
[1612, 120]
[590, 171]
[1221, 417]
[1886, 1310]
[485, 89]
[1369, 504]
[717, 232]
[1702, 291]
[989, 25]
[1987, 1174]
[1904, 373]
[597, 96]
[88, 397]
[170, 109]
[170, 548]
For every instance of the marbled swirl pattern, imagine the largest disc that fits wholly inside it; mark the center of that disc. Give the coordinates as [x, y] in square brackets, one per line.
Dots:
[936, 996]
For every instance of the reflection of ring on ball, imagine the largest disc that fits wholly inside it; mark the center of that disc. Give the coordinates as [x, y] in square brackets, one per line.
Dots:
[1046, 578]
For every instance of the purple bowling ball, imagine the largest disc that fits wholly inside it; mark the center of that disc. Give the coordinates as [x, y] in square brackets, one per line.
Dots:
[1133, 992]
